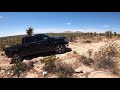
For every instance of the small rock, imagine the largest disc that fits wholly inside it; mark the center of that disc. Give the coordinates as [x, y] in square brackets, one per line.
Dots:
[2, 71]
[78, 70]
[81, 71]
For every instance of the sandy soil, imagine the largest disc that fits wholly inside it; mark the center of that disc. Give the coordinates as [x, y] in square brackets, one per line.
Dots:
[80, 48]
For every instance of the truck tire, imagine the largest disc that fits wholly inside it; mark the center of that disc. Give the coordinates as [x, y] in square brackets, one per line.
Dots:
[15, 58]
[59, 48]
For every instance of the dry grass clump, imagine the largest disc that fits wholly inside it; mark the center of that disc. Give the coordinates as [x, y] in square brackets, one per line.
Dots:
[56, 66]
[97, 38]
[64, 70]
[74, 52]
[2, 47]
[87, 41]
[86, 60]
[49, 63]
[19, 68]
[71, 55]
[106, 58]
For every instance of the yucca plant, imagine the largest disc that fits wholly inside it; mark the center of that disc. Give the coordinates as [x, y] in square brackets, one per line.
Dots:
[29, 31]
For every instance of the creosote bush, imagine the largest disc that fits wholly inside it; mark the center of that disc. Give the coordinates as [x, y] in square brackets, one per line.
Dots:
[74, 52]
[85, 60]
[90, 52]
[64, 70]
[87, 41]
[19, 67]
[49, 63]
[106, 58]
[55, 66]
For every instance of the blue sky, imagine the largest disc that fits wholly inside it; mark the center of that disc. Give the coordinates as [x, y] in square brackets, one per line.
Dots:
[16, 23]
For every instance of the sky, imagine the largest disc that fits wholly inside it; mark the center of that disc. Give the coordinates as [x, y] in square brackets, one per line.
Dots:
[16, 23]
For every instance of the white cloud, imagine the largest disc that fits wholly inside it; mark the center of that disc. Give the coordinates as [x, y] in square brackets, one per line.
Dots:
[107, 26]
[68, 23]
[1, 17]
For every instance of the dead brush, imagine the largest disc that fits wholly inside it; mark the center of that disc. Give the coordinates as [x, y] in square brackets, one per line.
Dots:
[64, 70]
[106, 58]
[19, 68]
[85, 60]
[49, 63]
[74, 52]
[87, 41]
[90, 52]
[98, 38]
[53, 65]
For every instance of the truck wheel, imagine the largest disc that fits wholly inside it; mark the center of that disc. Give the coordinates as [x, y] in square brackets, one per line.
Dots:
[60, 48]
[16, 57]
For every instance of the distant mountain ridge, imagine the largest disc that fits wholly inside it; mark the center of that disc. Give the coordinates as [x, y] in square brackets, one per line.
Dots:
[72, 32]
[67, 32]
[37, 33]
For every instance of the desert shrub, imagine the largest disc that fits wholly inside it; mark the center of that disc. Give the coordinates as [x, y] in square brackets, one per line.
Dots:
[19, 67]
[55, 66]
[49, 63]
[90, 52]
[74, 52]
[106, 58]
[87, 41]
[2, 47]
[99, 38]
[108, 34]
[85, 60]
[64, 70]
[8, 41]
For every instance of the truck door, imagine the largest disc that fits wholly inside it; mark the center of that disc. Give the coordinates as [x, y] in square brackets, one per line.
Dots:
[42, 44]
[28, 48]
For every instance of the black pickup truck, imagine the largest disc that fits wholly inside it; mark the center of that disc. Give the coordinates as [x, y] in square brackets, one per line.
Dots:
[39, 43]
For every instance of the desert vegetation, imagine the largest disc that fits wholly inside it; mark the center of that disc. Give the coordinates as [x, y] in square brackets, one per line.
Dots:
[73, 37]
[54, 65]
[92, 51]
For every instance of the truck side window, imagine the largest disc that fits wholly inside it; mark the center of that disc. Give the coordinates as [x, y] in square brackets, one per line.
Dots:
[29, 40]
[40, 38]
